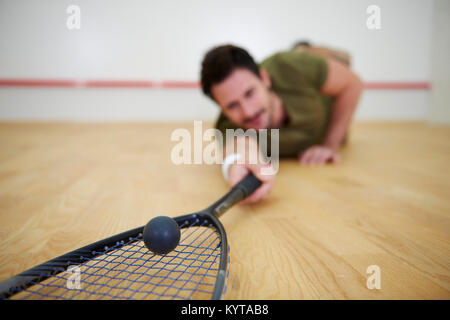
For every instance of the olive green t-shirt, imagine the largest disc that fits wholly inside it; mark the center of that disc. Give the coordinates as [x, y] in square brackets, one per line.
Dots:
[296, 78]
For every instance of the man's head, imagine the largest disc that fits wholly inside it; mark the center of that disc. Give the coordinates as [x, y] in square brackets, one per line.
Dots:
[302, 44]
[234, 81]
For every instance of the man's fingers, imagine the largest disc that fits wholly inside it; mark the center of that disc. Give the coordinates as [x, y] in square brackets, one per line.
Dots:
[260, 193]
[262, 172]
[237, 172]
[306, 156]
[319, 156]
[267, 177]
[312, 156]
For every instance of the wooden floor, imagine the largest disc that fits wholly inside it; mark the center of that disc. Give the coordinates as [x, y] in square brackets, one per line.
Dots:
[65, 185]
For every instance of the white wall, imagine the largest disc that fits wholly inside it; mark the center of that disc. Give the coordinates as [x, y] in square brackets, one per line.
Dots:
[440, 66]
[166, 40]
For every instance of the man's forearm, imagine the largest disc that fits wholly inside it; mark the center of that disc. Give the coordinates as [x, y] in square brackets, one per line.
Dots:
[342, 112]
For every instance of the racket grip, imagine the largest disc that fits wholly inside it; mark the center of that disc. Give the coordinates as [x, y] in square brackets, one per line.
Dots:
[248, 185]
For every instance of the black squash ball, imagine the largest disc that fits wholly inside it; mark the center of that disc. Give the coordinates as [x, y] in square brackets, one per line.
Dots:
[161, 235]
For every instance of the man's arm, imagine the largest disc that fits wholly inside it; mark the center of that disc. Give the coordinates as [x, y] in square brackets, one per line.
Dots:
[346, 87]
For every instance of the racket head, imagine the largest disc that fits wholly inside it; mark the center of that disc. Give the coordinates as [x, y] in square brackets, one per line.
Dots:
[121, 267]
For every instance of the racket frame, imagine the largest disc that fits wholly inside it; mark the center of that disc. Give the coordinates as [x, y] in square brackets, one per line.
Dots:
[209, 215]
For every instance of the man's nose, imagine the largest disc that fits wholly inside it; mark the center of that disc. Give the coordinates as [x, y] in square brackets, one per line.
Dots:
[248, 110]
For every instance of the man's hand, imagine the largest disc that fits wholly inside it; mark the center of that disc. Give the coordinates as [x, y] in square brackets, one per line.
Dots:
[238, 171]
[318, 155]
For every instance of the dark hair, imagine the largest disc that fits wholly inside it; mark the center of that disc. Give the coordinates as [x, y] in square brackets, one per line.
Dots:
[221, 61]
[302, 43]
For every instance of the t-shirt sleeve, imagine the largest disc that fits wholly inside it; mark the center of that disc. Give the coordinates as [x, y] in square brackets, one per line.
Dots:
[293, 71]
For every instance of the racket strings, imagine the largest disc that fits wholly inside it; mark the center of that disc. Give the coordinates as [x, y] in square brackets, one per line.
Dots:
[128, 270]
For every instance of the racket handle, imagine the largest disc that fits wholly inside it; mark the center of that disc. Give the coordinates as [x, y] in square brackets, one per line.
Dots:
[248, 185]
[239, 192]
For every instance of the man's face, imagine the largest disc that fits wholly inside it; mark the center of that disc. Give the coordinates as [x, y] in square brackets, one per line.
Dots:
[245, 98]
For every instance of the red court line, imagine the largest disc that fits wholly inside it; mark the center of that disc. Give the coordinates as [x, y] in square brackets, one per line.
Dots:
[398, 85]
[36, 83]
[116, 84]
[381, 85]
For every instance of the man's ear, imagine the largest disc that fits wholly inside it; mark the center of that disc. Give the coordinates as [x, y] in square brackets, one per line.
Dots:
[265, 77]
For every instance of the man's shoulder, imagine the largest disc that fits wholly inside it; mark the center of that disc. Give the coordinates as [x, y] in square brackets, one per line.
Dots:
[289, 57]
[291, 70]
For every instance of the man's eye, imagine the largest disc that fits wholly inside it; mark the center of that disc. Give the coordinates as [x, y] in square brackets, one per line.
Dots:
[249, 93]
[232, 106]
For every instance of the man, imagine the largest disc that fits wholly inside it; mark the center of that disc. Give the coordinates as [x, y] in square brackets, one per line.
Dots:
[309, 98]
